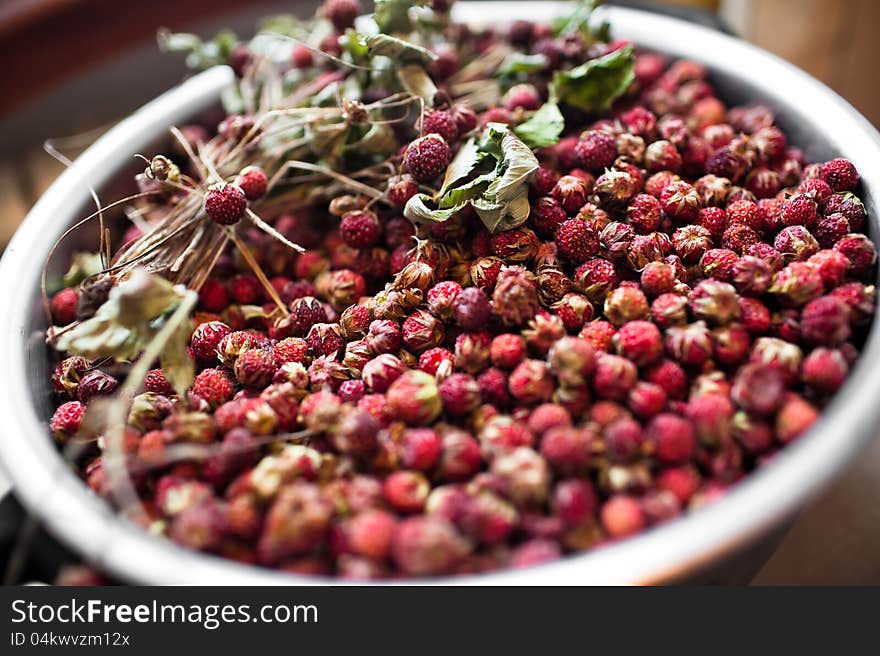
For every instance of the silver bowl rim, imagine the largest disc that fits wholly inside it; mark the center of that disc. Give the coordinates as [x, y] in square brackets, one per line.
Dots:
[750, 510]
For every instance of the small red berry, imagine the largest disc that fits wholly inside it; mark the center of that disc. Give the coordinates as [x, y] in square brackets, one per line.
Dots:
[225, 204]
[67, 419]
[427, 157]
[64, 305]
[596, 150]
[253, 182]
[359, 229]
[840, 174]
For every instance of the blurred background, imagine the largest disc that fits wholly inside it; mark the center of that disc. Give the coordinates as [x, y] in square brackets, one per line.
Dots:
[73, 67]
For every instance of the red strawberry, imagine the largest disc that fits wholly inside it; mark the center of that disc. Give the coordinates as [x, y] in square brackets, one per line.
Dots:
[253, 182]
[225, 204]
[359, 229]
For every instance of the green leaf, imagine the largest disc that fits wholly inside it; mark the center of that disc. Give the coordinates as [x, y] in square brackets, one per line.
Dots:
[467, 191]
[419, 209]
[82, 266]
[355, 44]
[127, 321]
[519, 63]
[577, 22]
[543, 128]
[392, 16]
[517, 167]
[498, 192]
[467, 157]
[595, 84]
[200, 54]
[383, 45]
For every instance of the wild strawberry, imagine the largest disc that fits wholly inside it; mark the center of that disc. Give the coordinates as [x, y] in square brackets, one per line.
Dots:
[214, 386]
[253, 182]
[254, 368]
[414, 398]
[534, 552]
[341, 13]
[246, 289]
[830, 229]
[225, 204]
[825, 321]
[831, 265]
[595, 278]
[669, 310]
[673, 438]
[471, 309]
[441, 298]
[66, 420]
[644, 213]
[517, 245]
[95, 383]
[849, 206]
[460, 394]
[428, 546]
[427, 157]
[460, 456]
[638, 341]
[738, 238]
[305, 312]
[359, 229]
[574, 310]
[825, 370]
[626, 304]
[859, 250]
[571, 193]
[662, 156]
[840, 174]
[576, 240]
[437, 121]
[531, 382]
[212, 296]
[465, 118]
[622, 516]
[796, 243]
[422, 330]
[691, 242]
[691, 345]
[406, 491]
[657, 278]
[64, 304]
[206, 338]
[596, 150]
[614, 377]
[157, 383]
[797, 284]
[599, 334]
[544, 181]
[493, 387]
[522, 96]
[400, 189]
[725, 162]
[515, 297]
[680, 201]
[794, 418]
[616, 187]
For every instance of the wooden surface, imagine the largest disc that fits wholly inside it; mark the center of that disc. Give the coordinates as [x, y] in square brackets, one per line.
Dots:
[43, 42]
[834, 40]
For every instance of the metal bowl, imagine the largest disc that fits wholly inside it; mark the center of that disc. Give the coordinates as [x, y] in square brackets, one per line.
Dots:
[708, 540]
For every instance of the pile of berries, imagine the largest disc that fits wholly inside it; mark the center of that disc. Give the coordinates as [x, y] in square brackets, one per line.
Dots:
[686, 295]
